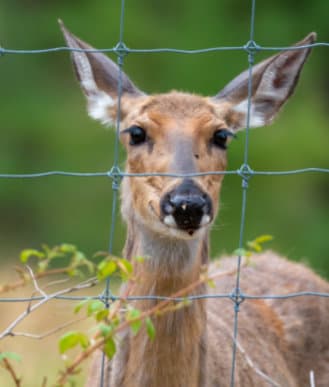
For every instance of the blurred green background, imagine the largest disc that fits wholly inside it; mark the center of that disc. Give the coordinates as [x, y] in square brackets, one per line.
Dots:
[44, 125]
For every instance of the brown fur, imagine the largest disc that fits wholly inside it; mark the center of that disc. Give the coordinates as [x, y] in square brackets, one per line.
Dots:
[284, 339]
[279, 341]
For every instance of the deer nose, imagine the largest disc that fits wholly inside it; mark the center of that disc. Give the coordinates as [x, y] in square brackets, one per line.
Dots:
[186, 207]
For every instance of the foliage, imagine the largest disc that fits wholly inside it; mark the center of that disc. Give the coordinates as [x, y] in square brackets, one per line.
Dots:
[254, 246]
[108, 320]
[46, 257]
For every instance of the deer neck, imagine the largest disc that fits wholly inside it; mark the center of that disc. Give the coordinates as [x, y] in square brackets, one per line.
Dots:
[174, 357]
[169, 264]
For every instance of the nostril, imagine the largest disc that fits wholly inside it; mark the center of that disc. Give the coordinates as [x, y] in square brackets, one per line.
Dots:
[167, 205]
[168, 208]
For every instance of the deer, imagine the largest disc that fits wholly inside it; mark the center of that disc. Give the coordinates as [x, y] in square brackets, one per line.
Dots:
[168, 221]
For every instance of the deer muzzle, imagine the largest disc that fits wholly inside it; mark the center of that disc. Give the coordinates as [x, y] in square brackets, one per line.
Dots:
[187, 207]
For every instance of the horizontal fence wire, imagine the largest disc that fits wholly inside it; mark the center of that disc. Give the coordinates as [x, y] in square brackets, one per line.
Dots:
[124, 50]
[243, 296]
[245, 172]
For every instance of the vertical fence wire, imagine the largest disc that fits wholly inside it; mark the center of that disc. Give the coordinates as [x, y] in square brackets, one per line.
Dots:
[237, 298]
[245, 172]
[107, 296]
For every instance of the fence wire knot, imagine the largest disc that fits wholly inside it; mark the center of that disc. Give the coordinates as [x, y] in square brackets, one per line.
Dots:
[245, 172]
[237, 297]
[107, 297]
[116, 175]
[121, 49]
[251, 47]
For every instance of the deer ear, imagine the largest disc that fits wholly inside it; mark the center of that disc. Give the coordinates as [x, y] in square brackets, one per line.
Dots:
[273, 82]
[98, 76]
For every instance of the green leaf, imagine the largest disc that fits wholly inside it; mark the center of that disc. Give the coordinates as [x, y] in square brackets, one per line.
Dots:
[94, 307]
[105, 329]
[43, 265]
[28, 253]
[81, 260]
[150, 329]
[109, 347]
[135, 326]
[78, 259]
[125, 267]
[67, 248]
[264, 238]
[10, 356]
[241, 252]
[46, 249]
[135, 323]
[72, 339]
[105, 269]
[101, 315]
[256, 244]
[80, 305]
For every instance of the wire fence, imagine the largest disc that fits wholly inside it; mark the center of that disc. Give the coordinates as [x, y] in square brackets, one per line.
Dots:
[245, 172]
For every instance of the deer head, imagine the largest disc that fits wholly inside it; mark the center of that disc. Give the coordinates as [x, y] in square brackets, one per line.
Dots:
[181, 133]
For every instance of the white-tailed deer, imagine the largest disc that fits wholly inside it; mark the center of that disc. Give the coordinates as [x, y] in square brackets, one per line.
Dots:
[168, 219]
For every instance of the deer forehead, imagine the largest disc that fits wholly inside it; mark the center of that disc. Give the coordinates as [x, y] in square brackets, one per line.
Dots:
[176, 114]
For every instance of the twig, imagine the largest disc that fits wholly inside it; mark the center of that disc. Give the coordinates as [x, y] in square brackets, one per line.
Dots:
[24, 281]
[35, 283]
[48, 333]
[7, 365]
[30, 309]
[57, 282]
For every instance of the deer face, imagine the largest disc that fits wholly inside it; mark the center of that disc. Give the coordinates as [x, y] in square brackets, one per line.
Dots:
[174, 133]
[180, 133]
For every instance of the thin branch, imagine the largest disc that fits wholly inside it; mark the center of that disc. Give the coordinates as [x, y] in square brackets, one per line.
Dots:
[48, 333]
[30, 309]
[35, 283]
[57, 282]
[7, 365]
[22, 282]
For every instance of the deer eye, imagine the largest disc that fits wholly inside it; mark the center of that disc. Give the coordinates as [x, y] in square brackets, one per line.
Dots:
[137, 135]
[220, 138]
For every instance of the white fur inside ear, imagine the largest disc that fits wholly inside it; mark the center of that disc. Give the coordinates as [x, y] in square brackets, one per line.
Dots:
[257, 118]
[98, 101]
[99, 105]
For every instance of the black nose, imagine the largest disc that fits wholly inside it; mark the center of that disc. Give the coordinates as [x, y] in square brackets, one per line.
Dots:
[188, 206]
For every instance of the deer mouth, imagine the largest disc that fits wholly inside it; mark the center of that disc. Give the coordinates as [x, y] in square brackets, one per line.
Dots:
[187, 223]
